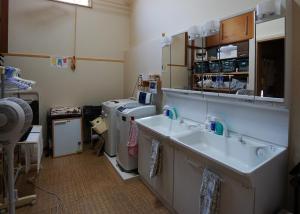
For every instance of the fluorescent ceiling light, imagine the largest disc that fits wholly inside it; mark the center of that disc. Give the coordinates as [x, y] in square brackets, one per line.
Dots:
[85, 3]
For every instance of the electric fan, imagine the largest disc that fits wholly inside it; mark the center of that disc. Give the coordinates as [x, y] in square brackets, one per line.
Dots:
[15, 119]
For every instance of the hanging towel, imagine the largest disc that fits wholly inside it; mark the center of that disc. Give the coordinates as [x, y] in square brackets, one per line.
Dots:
[155, 161]
[133, 141]
[209, 192]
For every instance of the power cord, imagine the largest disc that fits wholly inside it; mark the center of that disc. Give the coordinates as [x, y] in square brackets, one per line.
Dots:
[59, 203]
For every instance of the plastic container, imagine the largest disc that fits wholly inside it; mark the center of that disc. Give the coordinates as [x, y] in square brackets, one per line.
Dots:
[201, 67]
[215, 66]
[229, 65]
[207, 122]
[243, 64]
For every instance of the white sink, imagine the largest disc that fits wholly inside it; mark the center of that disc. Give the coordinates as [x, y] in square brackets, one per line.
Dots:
[243, 157]
[165, 126]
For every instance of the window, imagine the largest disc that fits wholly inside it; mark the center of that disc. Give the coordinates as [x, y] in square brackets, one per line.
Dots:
[85, 3]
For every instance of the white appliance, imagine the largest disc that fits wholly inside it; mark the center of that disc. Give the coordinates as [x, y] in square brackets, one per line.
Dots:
[125, 114]
[66, 136]
[109, 113]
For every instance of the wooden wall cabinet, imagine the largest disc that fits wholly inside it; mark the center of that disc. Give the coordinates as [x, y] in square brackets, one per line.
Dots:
[236, 29]
[3, 26]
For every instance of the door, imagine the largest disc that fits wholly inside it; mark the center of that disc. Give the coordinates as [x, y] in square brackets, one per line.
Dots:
[236, 29]
[66, 137]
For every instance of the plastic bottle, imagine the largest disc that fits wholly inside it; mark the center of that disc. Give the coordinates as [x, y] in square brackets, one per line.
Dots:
[219, 129]
[213, 124]
[207, 122]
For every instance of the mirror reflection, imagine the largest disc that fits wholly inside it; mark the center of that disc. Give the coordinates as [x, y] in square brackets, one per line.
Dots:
[166, 69]
[240, 58]
[179, 70]
[270, 56]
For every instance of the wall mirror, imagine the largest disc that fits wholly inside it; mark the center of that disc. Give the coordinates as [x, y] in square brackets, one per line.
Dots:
[245, 57]
[270, 56]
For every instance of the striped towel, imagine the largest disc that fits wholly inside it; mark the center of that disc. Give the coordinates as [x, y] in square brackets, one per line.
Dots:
[155, 161]
[210, 193]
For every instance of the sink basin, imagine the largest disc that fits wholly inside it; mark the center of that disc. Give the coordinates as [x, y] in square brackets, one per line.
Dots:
[165, 126]
[244, 157]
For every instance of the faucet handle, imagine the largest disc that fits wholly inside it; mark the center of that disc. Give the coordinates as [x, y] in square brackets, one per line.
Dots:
[241, 139]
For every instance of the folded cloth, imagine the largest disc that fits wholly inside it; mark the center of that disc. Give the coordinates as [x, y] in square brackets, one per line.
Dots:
[133, 141]
[210, 192]
[155, 160]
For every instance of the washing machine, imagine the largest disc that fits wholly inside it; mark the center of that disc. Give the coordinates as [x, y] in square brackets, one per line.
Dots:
[125, 114]
[109, 113]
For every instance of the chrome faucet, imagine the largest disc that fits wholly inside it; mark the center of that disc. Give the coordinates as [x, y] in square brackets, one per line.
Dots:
[241, 140]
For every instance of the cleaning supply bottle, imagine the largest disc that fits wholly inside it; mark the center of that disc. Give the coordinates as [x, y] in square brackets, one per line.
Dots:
[219, 129]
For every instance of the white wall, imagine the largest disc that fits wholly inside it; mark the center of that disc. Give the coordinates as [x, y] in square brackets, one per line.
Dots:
[42, 26]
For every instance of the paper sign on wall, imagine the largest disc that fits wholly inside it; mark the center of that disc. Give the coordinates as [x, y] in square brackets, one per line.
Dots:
[59, 62]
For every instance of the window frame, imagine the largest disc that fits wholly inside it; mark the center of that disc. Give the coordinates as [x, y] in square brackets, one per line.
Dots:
[74, 4]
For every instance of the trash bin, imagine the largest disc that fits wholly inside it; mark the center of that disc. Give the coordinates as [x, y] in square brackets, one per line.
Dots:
[89, 113]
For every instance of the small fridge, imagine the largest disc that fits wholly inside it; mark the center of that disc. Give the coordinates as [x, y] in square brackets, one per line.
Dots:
[67, 136]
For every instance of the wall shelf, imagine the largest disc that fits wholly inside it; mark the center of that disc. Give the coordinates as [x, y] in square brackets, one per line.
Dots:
[223, 74]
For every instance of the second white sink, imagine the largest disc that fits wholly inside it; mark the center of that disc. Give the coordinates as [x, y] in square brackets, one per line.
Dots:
[244, 157]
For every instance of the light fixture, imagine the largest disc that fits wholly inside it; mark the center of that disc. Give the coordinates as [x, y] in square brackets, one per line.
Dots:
[85, 3]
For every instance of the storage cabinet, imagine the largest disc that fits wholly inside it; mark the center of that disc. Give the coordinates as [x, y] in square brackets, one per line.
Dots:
[187, 182]
[236, 29]
[162, 183]
[188, 168]
[232, 30]
[66, 136]
[3, 26]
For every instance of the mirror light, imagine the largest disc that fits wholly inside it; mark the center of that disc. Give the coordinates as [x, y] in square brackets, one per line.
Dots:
[85, 3]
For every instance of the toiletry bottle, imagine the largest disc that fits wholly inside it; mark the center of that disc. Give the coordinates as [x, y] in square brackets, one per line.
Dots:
[219, 129]
[213, 124]
[207, 122]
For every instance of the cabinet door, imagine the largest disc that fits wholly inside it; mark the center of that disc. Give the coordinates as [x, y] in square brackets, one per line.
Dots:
[187, 183]
[66, 137]
[144, 155]
[236, 198]
[213, 41]
[3, 25]
[236, 29]
[163, 181]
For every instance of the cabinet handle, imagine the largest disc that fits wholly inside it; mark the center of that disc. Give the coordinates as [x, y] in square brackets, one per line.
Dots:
[61, 122]
[193, 164]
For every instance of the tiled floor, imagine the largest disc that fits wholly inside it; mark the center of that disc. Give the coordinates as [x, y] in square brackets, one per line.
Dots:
[88, 184]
